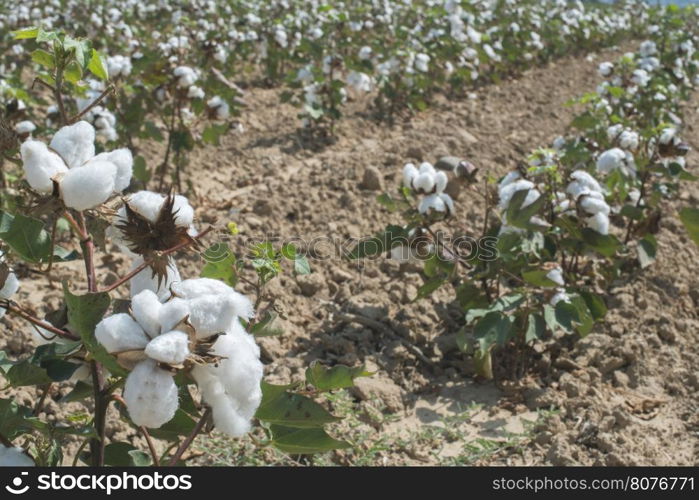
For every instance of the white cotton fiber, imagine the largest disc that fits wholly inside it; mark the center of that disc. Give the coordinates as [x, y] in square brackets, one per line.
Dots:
[123, 159]
[586, 180]
[599, 222]
[120, 332]
[192, 288]
[432, 202]
[233, 387]
[145, 280]
[88, 186]
[424, 182]
[151, 395]
[184, 211]
[210, 314]
[10, 287]
[145, 307]
[75, 143]
[171, 348]
[409, 173]
[147, 204]
[40, 165]
[14, 457]
[172, 313]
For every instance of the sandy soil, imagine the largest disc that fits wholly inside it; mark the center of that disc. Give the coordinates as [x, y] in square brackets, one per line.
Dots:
[625, 395]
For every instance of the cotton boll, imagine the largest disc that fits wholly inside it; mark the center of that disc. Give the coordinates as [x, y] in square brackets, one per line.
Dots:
[40, 165]
[151, 395]
[120, 332]
[146, 203]
[599, 223]
[424, 182]
[88, 186]
[146, 280]
[426, 168]
[172, 313]
[146, 307]
[432, 203]
[610, 160]
[184, 213]
[225, 410]
[509, 179]
[197, 287]
[593, 205]
[25, 127]
[560, 295]
[10, 287]
[210, 314]
[123, 159]
[75, 143]
[440, 181]
[14, 457]
[409, 173]
[556, 275]
[509, 190]
[171, 348]
[583, 179]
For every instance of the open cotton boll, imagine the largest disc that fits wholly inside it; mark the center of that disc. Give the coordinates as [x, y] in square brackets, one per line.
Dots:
[556, 275]
[146, 280]
[227, 417]
[424, 182]
[146, 203]
[40, 165]
[197, 287]
[509, 190]
[559, 296]
[14, 457]
[184, 213]
[123, 159]
[409, 173]
[440, 181]
[210, 314]
[120, 332]
[146, 307]
[171, 348]
[88, 186]
[172, 313]
[10, 287]
[25, 127]
[75, 143]
[241, 369]
[509, 179]
[151, 395]
[610, 160]
[593, 204]
[599, 223]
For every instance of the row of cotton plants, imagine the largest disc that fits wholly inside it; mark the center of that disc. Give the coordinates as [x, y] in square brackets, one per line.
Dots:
[399, 53]
[568, 221]
[175, 355]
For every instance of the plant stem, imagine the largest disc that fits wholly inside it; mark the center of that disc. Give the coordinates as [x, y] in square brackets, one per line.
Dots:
[13, 308]
[188, 441]
[40, 403]
[58, 94]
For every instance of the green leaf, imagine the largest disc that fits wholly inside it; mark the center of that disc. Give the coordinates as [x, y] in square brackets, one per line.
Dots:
[690, 219]
[337, 377]
[43, 58]
[538, 277]
[81, 391]
[428, 287]
[13, 418]
[124, 455]
[25, 33]
[73, 72]
[220, 264]
[483, 363]
[494, 328]
[140, 170]
[212, 134]
[390, 237]
[281, 407]
[519, 216]
[84, 312]
[96, 65]
[536, 327]
[566, 315]
[304, 441]
[265, 327]
[26, 237]
[595, 304]
[182, 424]
[584, 318]
[647, 249]
[604, 244]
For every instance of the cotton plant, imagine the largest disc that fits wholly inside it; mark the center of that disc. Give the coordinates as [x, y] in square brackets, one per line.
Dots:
[425, 180]
[198, 331]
